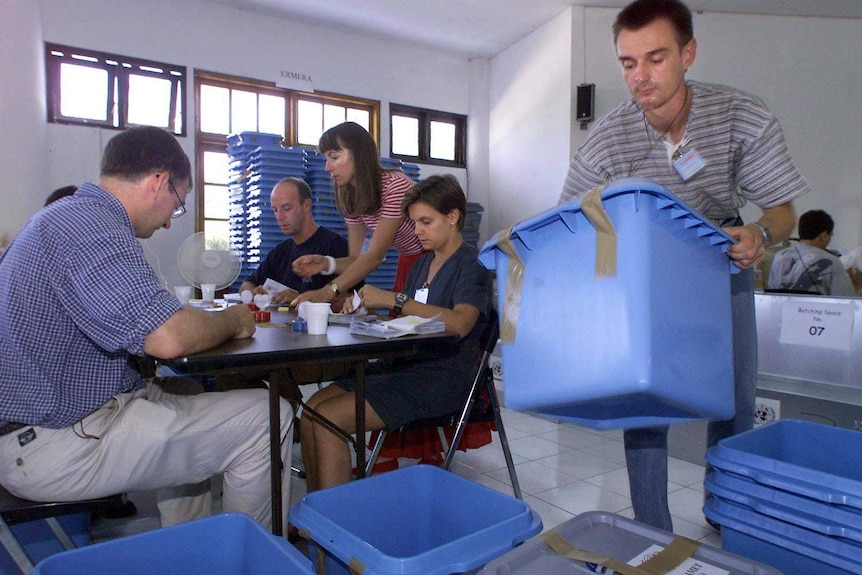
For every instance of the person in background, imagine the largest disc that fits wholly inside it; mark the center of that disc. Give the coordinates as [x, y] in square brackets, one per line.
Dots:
[716, 148]
[449, 281]
[59, 193]
[370, 198]
[77, 420]
[291, 202]
[806, 266]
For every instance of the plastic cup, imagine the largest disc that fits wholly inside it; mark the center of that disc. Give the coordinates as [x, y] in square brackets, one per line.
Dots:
[183, 293]
[208, 292]
[316, 315]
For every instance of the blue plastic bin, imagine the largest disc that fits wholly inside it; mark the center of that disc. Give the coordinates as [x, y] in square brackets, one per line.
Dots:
[616, 537]
[792, 549]
[228, 544]
[830, 520]
[418, 520]
[40, 542]
[650, 346]
[817, 461]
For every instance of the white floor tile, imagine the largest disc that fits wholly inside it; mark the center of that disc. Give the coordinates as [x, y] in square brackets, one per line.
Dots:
[532, 425]
[574, 437]
[580, 497]
[534, 477]
[579, 464]
[550, 514]
[534, 447]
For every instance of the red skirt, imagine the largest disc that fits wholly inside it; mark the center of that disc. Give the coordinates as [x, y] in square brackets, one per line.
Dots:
[424, 444]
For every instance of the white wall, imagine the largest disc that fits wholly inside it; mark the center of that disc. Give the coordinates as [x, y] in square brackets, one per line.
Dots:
[801, 67]
[213, 37]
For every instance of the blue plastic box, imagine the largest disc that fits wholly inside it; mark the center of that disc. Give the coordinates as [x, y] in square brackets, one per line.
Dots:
[40, 542]
[792, 549]
[830, 520]
[227, 544]
[652, 345]
[817, 461]
[616, 537]
[418, 520]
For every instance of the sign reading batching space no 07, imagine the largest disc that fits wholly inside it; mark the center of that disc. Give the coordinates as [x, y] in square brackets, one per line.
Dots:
[817, 324]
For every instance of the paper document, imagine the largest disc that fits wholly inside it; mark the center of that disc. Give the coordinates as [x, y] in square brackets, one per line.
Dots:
[272, 287]
[410, 324]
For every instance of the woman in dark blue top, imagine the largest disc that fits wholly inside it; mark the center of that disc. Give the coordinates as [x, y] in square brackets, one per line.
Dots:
[450, 282]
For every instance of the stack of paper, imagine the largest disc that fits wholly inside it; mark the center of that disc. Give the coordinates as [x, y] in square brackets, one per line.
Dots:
[409, 324]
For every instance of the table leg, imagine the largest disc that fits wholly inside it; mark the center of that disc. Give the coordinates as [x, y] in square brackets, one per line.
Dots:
[360, 419]
[276, 463]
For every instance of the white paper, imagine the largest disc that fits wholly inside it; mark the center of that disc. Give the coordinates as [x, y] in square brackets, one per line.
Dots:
[688, 567]
[817, 324]
[409, 323]
[272, 287]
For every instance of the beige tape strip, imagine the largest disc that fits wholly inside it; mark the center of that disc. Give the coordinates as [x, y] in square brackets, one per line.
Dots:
[356, 568]
[514, 280]
[663, 562]
[606, 235]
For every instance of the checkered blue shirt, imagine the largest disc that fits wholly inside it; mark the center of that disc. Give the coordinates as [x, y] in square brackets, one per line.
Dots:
[77, 298]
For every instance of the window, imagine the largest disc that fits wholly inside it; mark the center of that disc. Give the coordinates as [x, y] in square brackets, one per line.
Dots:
[230, 105]
[428, 136]
[107, 90]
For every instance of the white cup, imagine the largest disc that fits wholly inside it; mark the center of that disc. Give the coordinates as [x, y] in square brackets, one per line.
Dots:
[183, 293]
[316, 315]
[208, 292]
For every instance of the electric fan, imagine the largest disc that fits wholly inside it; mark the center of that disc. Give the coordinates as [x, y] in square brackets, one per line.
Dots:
[207, 259]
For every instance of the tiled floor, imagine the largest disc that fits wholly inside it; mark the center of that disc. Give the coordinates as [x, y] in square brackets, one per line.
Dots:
[563, 470]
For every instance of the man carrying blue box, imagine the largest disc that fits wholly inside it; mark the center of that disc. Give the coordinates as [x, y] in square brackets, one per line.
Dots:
[716, 148]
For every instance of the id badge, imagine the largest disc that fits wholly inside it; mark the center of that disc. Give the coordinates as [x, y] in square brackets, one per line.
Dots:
[689, 164]
[421, 295]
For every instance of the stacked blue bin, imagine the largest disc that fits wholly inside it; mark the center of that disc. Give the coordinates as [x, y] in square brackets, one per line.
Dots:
[789, 494]
[649, 345]
[417, 520]
[472, 223]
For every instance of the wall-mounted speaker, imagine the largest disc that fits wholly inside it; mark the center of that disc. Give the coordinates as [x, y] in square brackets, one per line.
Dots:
[586, 103]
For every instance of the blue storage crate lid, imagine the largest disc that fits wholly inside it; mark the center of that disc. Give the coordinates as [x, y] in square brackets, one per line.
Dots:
[421, 519]
[523, 233]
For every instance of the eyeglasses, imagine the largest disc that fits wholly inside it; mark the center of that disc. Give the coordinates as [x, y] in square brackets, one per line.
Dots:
[179, 211]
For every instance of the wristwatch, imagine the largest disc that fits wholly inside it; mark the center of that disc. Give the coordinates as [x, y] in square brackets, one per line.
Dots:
[764, 231]
[400, 299]
[333, 287]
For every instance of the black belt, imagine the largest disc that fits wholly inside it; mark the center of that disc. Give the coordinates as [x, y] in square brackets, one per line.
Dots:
[11, 427]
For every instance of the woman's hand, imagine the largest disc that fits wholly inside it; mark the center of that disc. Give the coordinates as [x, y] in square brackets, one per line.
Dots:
[322, 295]
[284, 296]
[376, 298]
[309, 265]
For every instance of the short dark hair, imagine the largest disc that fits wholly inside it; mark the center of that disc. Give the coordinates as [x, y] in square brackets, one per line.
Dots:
[365, 196]
[441, 192]
[813, 223]
[60, 193]
[143, 150]
[303, 190]
[641, 13]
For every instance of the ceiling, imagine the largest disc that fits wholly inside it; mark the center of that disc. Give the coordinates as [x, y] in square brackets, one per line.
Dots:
[483, 28]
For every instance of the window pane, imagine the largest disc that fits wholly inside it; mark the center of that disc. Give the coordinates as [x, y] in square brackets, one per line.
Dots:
[149, 101]
[178, 106]
[271, 114]
[84, 92]
[332, 116]
[243, 111]
[443, 141]
[215, 110]
[405, 136]
[216, 169]
[215, 201]
[217, 231]
[361, 117]
[309, 123]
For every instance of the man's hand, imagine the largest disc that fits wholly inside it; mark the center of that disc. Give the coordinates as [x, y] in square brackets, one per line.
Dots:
[748, 249]
[244, 320]
[287, 296]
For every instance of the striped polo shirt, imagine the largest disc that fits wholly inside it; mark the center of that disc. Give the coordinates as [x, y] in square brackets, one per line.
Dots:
[738, 138]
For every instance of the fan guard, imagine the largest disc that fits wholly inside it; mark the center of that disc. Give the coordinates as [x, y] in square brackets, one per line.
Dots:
[206, 259]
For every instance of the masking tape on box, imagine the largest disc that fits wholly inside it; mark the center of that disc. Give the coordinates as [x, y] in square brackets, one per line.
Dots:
[606, 235]
[680, 549]
[512, 295]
